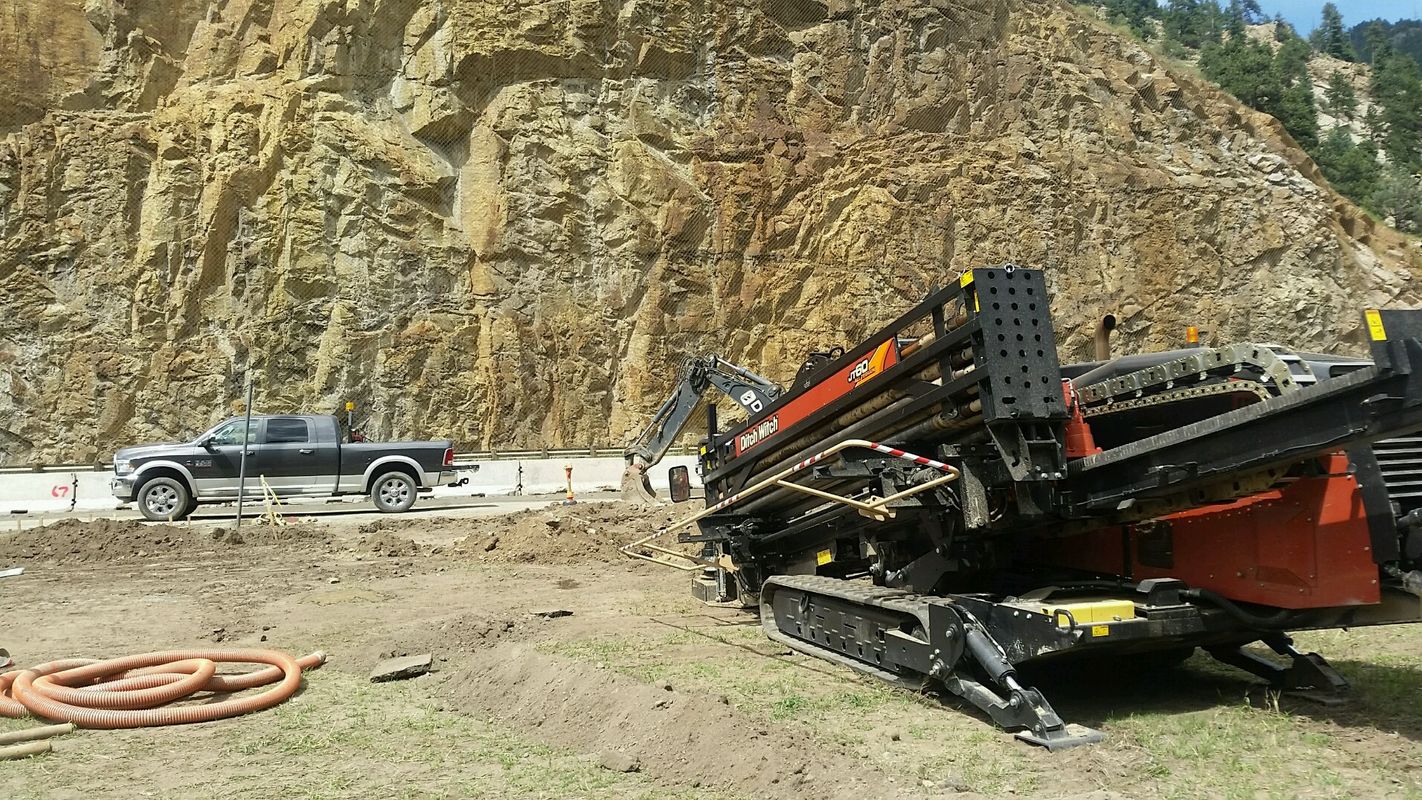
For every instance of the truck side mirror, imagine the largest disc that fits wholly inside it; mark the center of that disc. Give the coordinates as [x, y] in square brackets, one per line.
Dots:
[205, 443]
[680, 479]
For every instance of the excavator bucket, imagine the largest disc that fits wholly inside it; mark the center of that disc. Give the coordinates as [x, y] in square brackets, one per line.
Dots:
[637, 488]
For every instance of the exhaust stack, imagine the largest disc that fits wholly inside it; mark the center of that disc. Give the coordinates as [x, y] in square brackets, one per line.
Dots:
[1103, 337]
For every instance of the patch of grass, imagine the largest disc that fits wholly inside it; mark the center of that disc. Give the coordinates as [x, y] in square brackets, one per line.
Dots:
[1233, 751]
[341, 738]
[788, 706]
[1197, 743]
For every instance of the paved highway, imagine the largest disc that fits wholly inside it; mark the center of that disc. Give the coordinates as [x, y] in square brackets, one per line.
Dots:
[347, 511]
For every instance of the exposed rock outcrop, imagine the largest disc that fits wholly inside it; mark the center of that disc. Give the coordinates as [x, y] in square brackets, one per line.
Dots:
[508, 227]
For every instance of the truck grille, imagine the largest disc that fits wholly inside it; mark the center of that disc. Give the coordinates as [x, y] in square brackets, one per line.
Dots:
[1401, 463]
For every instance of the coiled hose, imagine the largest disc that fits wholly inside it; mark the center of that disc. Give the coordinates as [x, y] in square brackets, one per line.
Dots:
[133, 692]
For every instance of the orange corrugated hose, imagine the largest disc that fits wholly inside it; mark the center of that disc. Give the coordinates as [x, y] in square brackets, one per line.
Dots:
[133, 692]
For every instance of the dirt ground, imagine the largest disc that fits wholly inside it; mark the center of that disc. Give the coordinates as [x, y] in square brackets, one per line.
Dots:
[641, 692]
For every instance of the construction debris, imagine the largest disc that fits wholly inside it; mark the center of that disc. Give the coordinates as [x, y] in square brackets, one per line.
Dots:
[26, 750]
[619, 762]
[36, 734]
[402, 668]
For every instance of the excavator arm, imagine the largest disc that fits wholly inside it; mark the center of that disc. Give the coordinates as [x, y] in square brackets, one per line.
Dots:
[749, 390]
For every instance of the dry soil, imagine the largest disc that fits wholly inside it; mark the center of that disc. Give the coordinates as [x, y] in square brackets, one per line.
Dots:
[640, 692]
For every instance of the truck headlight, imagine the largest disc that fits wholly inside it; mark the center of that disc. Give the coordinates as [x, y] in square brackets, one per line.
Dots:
[123, 467]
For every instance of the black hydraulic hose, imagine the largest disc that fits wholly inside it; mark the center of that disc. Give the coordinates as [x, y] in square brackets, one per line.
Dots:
[1275, 621]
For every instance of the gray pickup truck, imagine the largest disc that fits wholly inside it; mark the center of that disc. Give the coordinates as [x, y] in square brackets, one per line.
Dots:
[296, 455]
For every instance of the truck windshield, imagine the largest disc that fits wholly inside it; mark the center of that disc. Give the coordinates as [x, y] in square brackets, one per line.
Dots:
[231, 433]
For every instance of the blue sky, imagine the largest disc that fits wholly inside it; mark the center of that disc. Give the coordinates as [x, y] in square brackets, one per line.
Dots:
[1304, 14]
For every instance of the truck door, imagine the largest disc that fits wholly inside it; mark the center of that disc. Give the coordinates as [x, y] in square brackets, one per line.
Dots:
[215, 466]
[292, 458]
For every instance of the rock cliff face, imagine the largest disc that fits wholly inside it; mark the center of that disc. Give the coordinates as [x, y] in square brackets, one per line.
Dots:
[509, 226]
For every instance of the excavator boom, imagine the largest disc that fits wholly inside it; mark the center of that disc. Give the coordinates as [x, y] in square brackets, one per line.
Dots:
[749, 390]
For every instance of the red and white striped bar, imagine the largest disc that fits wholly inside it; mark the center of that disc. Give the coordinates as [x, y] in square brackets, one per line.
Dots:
[950, 473]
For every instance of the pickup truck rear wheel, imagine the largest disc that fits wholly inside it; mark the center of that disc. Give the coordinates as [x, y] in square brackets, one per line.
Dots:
[393, 492]
[164, 499]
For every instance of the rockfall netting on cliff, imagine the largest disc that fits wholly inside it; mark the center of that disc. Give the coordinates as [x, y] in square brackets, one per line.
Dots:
[508, 222]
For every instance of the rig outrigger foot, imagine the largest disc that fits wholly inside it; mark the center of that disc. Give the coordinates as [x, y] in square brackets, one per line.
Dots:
[1024, 709]
[1308, 674]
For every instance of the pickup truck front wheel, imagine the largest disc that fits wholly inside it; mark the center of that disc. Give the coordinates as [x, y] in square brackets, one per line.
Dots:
[164, 499]
[393, 492]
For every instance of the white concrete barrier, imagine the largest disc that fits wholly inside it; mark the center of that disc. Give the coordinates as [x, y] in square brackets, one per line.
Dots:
[492, 478]
[547, 476]
[37, 492]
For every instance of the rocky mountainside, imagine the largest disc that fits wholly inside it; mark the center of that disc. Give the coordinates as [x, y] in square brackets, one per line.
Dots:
[508, 227]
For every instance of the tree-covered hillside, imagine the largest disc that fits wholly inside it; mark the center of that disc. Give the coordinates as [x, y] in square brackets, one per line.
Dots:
[1405, 35]
[1352, 99]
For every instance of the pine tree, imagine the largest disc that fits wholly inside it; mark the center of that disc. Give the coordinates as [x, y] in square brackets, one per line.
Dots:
[1379, 42]
[1331, 38]
[1374, 125]
[1300, 117]
[1352, 168]
[1292, 58]
[1275, 83]
[1340, 99]
[1135, 14]
[1192, 23]
[1399, 197]
[1397, 88]
[1234, 22]
[1296, 108]
[1245, 69]
[1283, 31]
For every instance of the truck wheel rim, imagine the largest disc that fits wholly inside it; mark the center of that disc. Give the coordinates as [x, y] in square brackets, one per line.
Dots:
[394, 491]
[162, 500]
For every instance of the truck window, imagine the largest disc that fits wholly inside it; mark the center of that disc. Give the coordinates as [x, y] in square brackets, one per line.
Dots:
[288, 431]
[231, 433]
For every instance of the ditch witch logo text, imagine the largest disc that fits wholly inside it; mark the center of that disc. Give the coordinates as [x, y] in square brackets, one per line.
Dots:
[860, 370]
[759, 433]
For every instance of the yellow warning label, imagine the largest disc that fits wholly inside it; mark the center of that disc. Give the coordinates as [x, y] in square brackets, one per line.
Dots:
[1100, 630]
[967, 280]
[1376, 332]
[1092, 611]
[824, 557]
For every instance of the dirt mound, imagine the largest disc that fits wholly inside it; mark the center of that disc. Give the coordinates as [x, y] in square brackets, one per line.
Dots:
[562, 534]
[672, 735]
[457, 634]
[386, 544]
[108, 540]
[556, 534]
